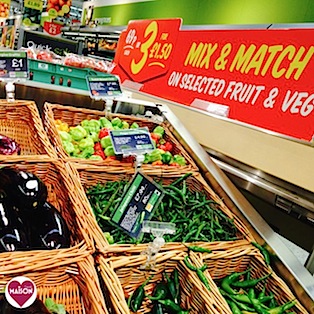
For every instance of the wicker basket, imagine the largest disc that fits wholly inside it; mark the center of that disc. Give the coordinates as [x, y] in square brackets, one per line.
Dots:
[75, 285]
[21, 121]
[73, 116]
[62, 194]
[89, 176]
[123, 274]
[225, 262]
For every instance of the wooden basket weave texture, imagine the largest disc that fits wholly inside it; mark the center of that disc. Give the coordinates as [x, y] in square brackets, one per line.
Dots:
[63, 195]
[21, 121]
[73, 116]
[91, 176]
[123, 274]
[225, 262]
[74, 284]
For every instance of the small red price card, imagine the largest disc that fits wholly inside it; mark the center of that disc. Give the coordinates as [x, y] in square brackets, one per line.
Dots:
[147, 47]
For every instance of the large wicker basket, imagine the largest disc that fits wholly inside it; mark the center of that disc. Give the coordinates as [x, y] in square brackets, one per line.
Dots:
[90, 176]
[73, 116]
[75, 285]
[123, 274]
[21, 121]
[62, 194]
[221, 263]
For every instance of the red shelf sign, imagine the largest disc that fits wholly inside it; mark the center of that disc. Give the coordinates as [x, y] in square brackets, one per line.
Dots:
[147, 48]
[263, 77]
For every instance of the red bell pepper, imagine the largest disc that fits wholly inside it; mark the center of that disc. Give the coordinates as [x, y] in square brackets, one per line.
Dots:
[167, 147]
[103, 133]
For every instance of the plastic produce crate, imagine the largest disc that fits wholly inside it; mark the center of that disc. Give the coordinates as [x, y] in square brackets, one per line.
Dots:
[74, 284]
[21, 122]
[60, 75]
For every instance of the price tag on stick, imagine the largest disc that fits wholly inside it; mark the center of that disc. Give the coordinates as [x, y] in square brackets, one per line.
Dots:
[131, 141]
[102, 87]
[13, 65]
[137, 205]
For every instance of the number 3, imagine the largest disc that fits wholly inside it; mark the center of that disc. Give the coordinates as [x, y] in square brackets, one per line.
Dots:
[151, 31]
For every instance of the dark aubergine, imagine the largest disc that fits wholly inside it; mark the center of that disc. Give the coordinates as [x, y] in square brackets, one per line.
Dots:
[37, 307]
[47, 228]
[25, 189]
[13, 236]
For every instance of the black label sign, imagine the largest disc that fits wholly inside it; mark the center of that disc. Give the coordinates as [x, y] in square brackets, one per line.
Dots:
[137, 205]
[13, 64]
[104, 86]
[41, 41]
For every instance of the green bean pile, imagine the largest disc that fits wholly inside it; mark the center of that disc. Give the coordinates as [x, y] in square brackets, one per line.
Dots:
[197, 217]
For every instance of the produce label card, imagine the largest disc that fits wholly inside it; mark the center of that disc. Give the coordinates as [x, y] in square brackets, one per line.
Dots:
[103, 86]
[13, 64]
[137, 205]
[131, 141]
[32, 12]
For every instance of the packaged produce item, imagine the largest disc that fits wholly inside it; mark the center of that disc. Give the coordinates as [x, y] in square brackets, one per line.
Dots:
[8, 146]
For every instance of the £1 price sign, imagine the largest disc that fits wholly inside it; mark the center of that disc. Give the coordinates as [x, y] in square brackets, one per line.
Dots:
[146, 48]
[13, 64]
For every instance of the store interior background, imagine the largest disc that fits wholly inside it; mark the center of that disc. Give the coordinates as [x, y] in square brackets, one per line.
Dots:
[295, 226]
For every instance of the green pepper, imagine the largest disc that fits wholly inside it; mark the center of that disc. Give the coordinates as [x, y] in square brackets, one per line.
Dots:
[180, 160]
[125, 125]
[166, 158]
[173, 307]
[95, 157]
[105, 123]
[65, 136]
[91, 125]
[155, 155]
[78, 133]
[136, 299]
[109, 151]
[68, 147]
[85, 142]
[159, 130]
[106, 141]
[134, 125]
[160, 292]
[86, 153]
[94, 136]
[116, 122]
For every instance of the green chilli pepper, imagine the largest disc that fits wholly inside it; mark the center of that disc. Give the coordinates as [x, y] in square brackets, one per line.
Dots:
[160, 292]
[249, 283]
[263, 251]
[175, 278]
[198, 249]
[230, 279]
[172, 288]
[172, 306]
[136, 299]
[234, 308]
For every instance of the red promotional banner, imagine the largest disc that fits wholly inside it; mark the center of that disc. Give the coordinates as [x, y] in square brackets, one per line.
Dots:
[259, 77]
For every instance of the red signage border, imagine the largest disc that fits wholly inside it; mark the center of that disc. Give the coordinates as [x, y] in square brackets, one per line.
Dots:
[262, 77]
